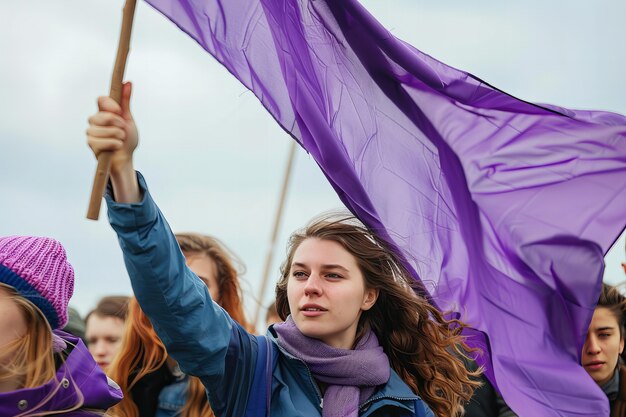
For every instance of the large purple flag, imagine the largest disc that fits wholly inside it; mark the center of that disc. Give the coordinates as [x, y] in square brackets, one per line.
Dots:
[502, 208]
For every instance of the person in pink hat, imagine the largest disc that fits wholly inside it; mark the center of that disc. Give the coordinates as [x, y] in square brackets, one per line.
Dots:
[44, 370]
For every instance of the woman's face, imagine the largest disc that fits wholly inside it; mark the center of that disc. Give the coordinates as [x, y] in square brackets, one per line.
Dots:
[204, 267]
[104, 338]
[12, 320]
[603, 346]
[326, 292]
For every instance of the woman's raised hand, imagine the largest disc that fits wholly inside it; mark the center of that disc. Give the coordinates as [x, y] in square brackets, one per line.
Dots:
[112, 129]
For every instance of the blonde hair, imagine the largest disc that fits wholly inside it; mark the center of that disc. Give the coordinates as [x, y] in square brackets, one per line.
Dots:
[32, 360]
[32, 356]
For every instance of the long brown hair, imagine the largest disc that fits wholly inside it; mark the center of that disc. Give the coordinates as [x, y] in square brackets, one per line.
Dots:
[423, 347]
[143, 351]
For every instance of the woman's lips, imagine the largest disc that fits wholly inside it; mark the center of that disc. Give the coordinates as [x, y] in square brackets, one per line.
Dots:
[594, 366]
[312, 310]
[313, 313]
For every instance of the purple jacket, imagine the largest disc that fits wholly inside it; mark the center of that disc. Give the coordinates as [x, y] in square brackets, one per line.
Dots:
[78, 373]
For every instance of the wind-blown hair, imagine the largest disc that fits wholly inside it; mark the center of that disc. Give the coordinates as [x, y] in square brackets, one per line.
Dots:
[29, 359]
[423, 347]
[31, 356]
[142, 351]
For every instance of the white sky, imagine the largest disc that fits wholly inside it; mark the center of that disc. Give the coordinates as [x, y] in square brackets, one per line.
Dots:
[212, 155]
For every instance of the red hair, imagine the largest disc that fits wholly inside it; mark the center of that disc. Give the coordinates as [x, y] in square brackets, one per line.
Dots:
[143, 351]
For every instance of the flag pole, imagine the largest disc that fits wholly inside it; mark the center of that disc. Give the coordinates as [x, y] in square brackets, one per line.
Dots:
[277, 220]
[115, 92]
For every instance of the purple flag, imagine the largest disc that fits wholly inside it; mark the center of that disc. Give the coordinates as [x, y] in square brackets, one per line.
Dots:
[502, 208]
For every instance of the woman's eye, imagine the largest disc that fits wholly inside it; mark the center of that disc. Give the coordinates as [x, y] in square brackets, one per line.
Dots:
[299, 274]
[605, 335]
[333, 276]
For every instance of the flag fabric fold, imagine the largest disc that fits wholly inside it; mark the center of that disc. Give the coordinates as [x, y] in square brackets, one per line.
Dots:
[503, 209]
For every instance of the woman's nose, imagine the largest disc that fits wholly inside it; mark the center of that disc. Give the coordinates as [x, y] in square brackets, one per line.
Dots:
[593, 347]
[313, 285]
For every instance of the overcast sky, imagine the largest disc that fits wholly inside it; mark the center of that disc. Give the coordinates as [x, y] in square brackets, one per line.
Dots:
[212, 156]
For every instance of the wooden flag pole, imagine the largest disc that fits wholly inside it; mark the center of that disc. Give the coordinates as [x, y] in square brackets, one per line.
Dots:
[277, 221]
[104, 159]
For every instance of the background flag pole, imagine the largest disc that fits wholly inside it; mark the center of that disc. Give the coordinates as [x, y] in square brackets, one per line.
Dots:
[277, 221]
[104, 159]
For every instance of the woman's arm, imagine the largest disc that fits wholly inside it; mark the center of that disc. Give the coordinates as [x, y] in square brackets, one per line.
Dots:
[197, 332]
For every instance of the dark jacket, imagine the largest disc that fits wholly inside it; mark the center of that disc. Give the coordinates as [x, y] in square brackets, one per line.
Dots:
[618, 405]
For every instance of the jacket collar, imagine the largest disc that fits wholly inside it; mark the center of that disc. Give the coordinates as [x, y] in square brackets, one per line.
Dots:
[395, 392]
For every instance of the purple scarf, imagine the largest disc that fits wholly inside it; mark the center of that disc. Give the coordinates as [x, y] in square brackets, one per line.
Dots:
[351, 375]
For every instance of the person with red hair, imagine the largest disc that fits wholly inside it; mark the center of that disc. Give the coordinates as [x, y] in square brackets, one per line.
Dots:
[143, 368]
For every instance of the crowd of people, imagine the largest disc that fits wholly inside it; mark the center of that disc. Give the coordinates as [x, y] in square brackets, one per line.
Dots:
[348, 335]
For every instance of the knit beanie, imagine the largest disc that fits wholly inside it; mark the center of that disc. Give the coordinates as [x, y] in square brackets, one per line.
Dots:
[38, 269]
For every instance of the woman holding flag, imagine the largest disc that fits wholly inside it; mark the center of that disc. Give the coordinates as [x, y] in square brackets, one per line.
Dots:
[357, 340]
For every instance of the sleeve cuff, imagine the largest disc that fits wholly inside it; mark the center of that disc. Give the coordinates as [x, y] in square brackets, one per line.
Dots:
[131, 215]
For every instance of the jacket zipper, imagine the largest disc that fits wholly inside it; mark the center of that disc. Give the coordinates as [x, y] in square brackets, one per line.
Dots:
[371, 400]
[312, 381]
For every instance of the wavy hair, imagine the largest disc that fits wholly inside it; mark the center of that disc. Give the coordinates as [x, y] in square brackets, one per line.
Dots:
[424, 348]
[142, 351]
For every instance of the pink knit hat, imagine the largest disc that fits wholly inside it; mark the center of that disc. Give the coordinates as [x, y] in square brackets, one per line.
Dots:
[38, 269]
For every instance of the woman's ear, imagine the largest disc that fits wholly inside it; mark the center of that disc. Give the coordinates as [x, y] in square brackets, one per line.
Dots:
[371, 295]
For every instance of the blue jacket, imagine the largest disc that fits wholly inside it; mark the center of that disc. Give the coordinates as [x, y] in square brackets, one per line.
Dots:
[206, 342]
[172, 398]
